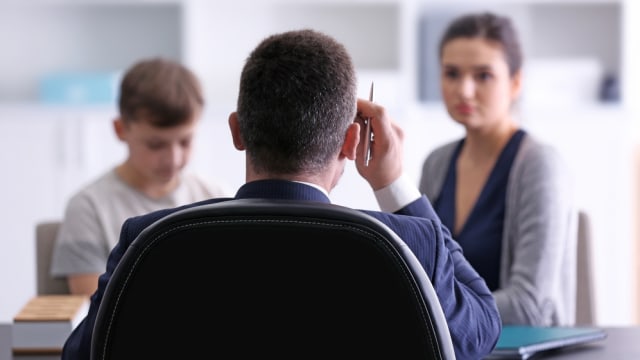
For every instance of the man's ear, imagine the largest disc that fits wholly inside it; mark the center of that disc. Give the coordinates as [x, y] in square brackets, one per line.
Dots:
[119, 128]
[235, 131]
[351, 140]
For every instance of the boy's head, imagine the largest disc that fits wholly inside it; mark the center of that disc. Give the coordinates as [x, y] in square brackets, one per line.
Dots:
[160, 102]
[161, 92]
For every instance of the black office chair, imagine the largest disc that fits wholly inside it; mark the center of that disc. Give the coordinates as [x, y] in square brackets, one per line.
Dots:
[248, 279]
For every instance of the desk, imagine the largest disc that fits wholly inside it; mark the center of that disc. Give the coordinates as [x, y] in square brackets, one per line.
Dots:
[5, 341]
[6, 352]
[622, 343]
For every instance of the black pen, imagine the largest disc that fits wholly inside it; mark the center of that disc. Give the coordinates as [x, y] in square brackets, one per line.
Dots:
[368, 133]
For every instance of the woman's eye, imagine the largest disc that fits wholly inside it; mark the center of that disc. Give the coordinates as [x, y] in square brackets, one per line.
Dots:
[484, 76]
[451, 74]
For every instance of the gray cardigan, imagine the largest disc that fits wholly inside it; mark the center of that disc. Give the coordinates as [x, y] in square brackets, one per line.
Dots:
[538, 266]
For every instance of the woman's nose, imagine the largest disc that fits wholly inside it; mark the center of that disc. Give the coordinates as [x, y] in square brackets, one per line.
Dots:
[466, 87]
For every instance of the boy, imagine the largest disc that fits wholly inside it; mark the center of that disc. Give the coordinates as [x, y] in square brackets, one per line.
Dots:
[160, 104]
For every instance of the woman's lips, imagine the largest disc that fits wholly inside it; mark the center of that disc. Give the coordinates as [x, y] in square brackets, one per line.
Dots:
[464, 109]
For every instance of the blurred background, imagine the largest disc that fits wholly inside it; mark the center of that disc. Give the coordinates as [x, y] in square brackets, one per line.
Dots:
[61, 62]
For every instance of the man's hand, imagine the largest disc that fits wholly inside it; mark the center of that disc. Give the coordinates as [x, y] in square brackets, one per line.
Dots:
[385, 164]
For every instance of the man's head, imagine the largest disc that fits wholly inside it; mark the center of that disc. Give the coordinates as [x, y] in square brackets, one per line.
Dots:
[160, 102]
[296, 101]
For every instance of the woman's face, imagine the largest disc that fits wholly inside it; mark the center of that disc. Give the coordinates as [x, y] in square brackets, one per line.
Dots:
[475, 82]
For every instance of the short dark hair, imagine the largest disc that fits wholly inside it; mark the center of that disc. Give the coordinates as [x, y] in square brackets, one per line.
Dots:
[488, 26]
[297, 98]
[161, 91]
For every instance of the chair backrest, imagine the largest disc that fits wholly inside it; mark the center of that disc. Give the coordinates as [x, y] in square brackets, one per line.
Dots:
[46, 233]
[257, 278]
[585, 309]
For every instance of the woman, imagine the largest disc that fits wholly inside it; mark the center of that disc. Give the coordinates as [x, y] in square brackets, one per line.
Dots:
[505, 196]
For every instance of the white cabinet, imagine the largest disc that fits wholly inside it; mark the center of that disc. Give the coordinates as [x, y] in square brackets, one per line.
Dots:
[58, 36]
[31, 159]
[560, 43]
[395, 40]
[46, 154]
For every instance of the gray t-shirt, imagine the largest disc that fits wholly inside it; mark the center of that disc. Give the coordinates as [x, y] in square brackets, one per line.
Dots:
[94, 217]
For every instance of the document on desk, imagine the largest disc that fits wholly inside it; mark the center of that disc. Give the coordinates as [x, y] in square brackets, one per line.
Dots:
[522, 342]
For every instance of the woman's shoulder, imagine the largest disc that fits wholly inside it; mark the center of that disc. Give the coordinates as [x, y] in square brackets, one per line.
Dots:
[434, 168]
[536, 156]
[441, 154]
[444, 150]
[534, 150]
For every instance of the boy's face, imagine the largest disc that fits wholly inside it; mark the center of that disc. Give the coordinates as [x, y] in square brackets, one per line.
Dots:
[157, 155]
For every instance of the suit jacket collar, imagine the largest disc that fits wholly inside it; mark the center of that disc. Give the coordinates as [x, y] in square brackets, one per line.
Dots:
[281, 189]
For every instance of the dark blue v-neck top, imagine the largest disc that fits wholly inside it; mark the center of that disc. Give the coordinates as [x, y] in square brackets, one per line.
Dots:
[481, 235]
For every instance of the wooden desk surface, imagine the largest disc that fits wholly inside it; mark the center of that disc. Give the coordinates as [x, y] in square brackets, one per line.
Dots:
[622, 343]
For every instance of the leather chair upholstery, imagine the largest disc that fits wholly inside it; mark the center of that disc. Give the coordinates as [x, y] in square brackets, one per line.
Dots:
[270, 279]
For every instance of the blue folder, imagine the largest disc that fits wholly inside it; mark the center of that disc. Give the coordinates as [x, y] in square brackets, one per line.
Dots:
[521, 342]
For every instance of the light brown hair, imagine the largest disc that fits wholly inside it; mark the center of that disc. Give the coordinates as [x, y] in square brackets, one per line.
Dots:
[161, 91]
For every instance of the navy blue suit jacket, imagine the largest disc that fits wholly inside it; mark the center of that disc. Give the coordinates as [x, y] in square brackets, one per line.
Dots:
[471, 312]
